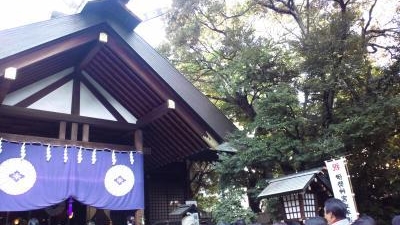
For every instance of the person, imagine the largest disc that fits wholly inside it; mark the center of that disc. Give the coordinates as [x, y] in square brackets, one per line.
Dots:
[315, 221]
[364, 220]
[33, 221]
[130, 220]
[335, 212]
[396, 220]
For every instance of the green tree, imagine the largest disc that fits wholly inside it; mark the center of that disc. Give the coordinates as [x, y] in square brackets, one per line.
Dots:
[202, 184]
[350, 106]
[230, 209]
[215, 45]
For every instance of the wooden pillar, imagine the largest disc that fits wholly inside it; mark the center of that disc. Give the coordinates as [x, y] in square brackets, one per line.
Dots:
[188, 192]
[74, 132]
[85, 132]
[301, 201]
[139, 214]
[62, 131]
[139, 141]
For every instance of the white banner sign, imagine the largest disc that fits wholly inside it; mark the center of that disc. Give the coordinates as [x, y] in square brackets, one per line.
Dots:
[341, 185]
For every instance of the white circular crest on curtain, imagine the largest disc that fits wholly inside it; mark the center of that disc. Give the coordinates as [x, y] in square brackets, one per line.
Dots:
[119, 180]
[17, 176]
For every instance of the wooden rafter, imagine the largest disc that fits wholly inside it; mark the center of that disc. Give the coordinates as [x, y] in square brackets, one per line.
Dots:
[126, 76]
[206, 136]
[127, 57]
[156, 113]
[145, 61]
[149, 76]
[4, 88]
[90, 55]
[43, 92]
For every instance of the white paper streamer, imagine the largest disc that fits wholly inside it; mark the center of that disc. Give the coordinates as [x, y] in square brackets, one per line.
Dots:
[23, 151]
[79, 159]
[131, 157]
[113, 158]
[65, 155]
[48, 153]
[94, 156]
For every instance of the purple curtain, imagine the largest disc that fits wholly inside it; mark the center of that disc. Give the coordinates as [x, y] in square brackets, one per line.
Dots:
[37, 176]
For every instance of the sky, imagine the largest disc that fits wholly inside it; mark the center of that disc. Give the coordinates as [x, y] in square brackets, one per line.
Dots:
[15, 13]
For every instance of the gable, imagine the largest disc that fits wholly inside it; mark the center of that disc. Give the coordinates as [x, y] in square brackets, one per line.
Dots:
[116, 87]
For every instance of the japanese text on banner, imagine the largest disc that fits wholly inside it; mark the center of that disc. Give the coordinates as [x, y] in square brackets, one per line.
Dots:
[341, 185]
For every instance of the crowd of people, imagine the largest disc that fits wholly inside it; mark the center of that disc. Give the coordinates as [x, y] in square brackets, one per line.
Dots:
[335, 212]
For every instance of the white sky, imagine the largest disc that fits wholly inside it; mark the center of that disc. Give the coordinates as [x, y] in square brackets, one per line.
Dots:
[15, 13]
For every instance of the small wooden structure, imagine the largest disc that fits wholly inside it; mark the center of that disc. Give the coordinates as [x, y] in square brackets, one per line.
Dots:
[302, 195]
[89, 80]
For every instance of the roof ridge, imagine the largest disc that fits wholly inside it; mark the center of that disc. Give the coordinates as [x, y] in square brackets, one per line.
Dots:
[298, 174]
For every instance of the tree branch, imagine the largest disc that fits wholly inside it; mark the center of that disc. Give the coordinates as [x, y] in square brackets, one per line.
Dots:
[370, 16]
[389, 49]
[211, 26]
[289, 8]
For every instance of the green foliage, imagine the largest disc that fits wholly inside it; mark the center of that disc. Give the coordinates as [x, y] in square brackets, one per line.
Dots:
[206, 202]
[273, 208]
[369, 131]
[202, 184]
[218, 50]
[229, 208]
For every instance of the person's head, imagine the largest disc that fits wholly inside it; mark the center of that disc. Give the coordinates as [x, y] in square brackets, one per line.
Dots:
[315, 221]
[364, 220]
[396, 220]
[335, 210]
